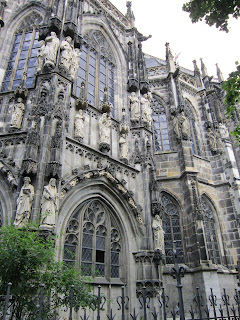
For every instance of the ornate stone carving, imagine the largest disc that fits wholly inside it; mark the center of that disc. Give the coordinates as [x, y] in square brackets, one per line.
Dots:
[66, 56]
[74, 63]
[40, 57]
[176, 127]
[212, 140]
[17, 115]
[49, 206]
[105, 132]
[134, 106]
[105, 106]
[81, 102]
[158, 234]
[24, 203]
[79, 125]
[184, 124]
[146, 108]
[50, 51]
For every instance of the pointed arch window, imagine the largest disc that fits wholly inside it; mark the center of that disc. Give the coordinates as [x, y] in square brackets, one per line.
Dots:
[160, 129]
[193, 132]
[172, 229]
[93, 241]
[96, 70]
[210, 231]
[23, 57]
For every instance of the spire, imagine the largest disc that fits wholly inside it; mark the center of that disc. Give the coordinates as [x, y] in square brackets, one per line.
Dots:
[204, 69]
[197, 74]
[130, 14]
[219, 74]
[170, 59]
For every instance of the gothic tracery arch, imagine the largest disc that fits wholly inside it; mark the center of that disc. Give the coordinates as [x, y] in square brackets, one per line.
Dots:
[210, 230]
[172, 228]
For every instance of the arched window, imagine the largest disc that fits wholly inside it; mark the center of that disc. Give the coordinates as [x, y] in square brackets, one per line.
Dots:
[93, 241]
[172, 229]
[210, 231]
[160, 129]
[23, 57]
[194, 137]
[96, 70]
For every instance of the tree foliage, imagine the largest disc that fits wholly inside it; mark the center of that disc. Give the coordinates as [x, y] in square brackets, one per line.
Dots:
[27, 260]
[214, 12]
[232, 99]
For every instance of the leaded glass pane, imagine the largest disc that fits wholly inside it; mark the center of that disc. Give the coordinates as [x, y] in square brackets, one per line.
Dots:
[114, 272]
[86, 255]
[100, 269]
[172, 230]
[210, 231]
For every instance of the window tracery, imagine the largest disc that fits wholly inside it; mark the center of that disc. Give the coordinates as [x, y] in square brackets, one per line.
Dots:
[210, 231]
[23, 57]
[172, 229]
[93, 241]
[96, 69]
[193, 132]
[160, 129]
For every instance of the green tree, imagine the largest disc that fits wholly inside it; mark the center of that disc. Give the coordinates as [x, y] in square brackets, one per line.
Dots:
[27, 259]
[232, 100]
[214, 12]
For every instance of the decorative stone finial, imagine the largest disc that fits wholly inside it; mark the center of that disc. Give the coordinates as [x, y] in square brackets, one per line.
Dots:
[219, 74]
[204, 69]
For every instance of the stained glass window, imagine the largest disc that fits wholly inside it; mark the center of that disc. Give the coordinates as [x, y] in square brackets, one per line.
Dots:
[210, 231]
[97, 72]
[22, 61]
[92, 240]
[193, 132]
[160, 129]
[172, 229]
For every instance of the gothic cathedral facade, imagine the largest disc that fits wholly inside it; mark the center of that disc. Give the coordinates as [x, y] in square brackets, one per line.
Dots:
[125, 156]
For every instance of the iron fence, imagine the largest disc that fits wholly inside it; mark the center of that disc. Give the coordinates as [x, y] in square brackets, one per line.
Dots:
[145, 310]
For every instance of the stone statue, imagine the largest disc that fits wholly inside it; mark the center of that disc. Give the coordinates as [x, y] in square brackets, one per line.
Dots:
[134, 107]
[146, 108]
[219, 143]
[223, 131]
[105, 128]
[176, 128]
[50, 51]
[75, 62]
[123, 146]
[40, 56]
[24, 203]
[17, 116]
[158, 233]
[79, 124]
[66, 54]
[49, 204]
[185, 127]
[212, 140]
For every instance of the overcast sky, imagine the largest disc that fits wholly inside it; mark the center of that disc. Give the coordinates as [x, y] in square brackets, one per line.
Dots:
[166, 22]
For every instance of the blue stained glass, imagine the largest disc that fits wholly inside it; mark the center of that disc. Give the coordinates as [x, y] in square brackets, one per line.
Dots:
[28, 36]
[15, 47]
[16, 83]
[29, 82]
[30, 72]
[18, 38]
[5, 86]
[26, 45]
[21, 64]
[34, 52]
[13, 55]
[23, 55]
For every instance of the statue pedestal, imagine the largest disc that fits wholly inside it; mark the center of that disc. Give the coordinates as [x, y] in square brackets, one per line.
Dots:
[46, 227]
[104, 147]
